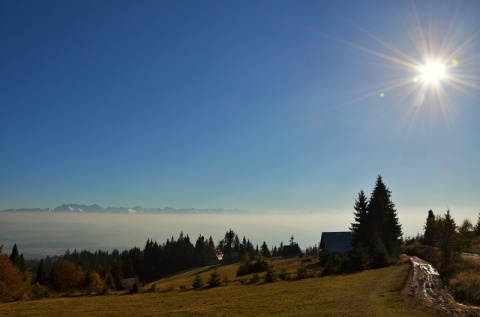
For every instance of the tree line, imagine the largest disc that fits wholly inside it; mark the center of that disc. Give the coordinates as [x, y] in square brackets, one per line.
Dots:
[101, 271]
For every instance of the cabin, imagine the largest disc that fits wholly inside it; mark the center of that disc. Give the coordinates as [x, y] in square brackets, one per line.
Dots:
[336, 242]
[291, 251]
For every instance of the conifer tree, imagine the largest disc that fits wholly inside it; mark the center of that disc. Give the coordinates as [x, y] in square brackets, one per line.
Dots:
[383, 220]
[197, 282]
[265, 251]
[447, 241]
[376, 231]
[214, 279]
[270, 275]
[41, 275]
[360, 227]
[429, 235]
[14, 256]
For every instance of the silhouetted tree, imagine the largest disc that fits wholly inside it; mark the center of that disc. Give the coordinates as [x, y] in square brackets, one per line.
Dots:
[447, 241]
[17, 259]
[465, 234]
[41, 276]
[265, 251]
[360, 230]
[429, 235]
[376, 229]
[383, 219]
[274, 251]
[14, 256]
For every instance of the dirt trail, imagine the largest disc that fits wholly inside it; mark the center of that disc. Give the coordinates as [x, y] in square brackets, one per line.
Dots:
[427, 287]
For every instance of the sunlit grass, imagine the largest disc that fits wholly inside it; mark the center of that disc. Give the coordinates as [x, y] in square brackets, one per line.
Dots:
[369, 293]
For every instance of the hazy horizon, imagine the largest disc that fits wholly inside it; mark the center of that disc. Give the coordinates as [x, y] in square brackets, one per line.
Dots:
[41, 234]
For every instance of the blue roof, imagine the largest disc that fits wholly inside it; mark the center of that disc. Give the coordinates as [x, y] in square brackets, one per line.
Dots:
[336, 242]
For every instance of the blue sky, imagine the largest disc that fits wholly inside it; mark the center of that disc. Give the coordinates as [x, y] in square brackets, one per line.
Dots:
[283, 106]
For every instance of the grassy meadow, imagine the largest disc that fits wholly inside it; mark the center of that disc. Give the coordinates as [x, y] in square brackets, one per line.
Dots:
[373, 293]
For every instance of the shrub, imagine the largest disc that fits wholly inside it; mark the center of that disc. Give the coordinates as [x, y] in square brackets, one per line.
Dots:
[183, 287]
[40, 291]
[215, 279]
[284, 275]
[270, 275]
[302, 272]
[466, 286]
[257, 266]
[197, 282]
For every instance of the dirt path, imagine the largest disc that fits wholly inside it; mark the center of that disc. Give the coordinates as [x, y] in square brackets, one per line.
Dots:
[426, 286]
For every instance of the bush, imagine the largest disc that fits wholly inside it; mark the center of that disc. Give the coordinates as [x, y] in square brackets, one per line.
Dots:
[215, 279]
[39, 291]
[466, 286]
[284, 275]
[257, 266]
[270, 276]
[197, 282]
[302, 272]
[183, 287]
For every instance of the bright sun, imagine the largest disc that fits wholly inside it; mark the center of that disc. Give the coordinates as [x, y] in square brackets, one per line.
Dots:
[432, 72]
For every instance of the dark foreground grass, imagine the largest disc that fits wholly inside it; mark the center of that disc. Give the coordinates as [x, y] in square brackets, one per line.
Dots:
[369, 293]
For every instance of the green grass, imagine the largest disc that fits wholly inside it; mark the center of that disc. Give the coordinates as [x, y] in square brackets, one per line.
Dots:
[372, 293]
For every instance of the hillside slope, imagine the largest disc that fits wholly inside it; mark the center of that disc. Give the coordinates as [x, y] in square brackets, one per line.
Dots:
[372, 293]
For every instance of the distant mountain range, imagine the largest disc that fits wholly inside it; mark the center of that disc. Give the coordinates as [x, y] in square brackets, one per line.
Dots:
[124, 210]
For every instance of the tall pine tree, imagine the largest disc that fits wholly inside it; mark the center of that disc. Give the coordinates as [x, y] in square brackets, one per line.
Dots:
[429, 234]
[360, 228]
[383, 220]
[376, 229]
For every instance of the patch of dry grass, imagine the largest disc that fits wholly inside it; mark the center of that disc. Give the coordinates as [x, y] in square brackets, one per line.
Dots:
[372, 293]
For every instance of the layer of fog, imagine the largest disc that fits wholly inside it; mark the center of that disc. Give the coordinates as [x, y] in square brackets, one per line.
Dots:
[40, 234]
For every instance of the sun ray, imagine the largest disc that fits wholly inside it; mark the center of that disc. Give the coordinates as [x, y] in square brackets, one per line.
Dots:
[442, 67]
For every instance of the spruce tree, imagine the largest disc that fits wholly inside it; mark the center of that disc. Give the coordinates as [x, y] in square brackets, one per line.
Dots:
[214, 279]
[197, 282]
[270, 275]
[429, 235]
[265, 251]
[41, 275]
[376, 231]
[383, 220]
[360, 227]
[447, 241]
[14, 256]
